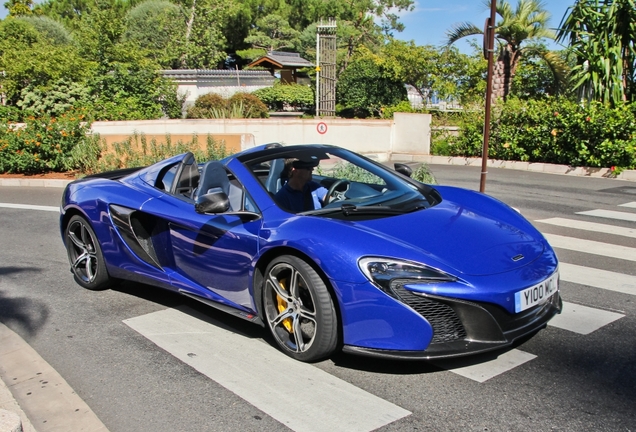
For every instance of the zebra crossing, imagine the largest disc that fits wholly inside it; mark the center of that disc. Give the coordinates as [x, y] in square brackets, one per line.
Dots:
[580, 319]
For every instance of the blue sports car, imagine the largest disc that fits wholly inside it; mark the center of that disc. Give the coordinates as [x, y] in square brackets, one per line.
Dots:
[329, 250]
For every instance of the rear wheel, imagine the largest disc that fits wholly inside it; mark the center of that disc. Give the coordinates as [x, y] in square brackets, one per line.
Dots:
[299, 309]
[85, 255]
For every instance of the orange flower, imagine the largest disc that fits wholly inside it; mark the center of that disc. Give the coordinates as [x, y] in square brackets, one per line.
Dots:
[554, 132]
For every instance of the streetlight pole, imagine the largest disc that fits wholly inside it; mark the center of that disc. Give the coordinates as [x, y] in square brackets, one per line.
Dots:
[489, 42]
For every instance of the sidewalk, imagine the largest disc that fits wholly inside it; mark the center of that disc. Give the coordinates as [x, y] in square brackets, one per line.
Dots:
[37, 393]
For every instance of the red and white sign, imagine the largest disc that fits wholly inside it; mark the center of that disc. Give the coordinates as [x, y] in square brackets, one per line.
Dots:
[321, 128]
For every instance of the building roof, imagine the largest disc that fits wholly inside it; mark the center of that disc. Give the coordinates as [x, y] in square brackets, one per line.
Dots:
[281, 60]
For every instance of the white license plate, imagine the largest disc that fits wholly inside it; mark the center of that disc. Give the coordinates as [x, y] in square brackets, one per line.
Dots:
[537, 294]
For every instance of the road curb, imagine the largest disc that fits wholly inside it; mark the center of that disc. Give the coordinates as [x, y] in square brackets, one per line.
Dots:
[55, 183]
[10, 421]
[628, 175]
[40, 391]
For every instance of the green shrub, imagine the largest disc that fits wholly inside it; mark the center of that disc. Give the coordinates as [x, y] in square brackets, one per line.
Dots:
[423, 174]
[10, 114]
[206, 105]
[42, 144]
[403, 106]
[553, 130]
[55, 101]
[250, 105]
[287, 97]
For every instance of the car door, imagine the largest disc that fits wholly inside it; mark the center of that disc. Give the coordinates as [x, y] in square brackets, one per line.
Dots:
[212, 253]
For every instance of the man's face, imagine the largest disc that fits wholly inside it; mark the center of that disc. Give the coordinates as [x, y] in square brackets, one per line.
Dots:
[303, 174]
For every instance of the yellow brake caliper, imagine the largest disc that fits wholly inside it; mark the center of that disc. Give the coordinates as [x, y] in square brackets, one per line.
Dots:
[282, 305]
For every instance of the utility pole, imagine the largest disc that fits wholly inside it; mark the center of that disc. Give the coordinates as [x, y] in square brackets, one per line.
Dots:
[489, 49]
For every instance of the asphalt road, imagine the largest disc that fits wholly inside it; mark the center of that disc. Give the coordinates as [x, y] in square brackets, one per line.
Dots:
[561, 379]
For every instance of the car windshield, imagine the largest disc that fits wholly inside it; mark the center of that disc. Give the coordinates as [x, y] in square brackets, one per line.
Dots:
[342, 183]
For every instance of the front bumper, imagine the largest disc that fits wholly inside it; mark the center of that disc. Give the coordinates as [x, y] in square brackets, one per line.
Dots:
[464, 327]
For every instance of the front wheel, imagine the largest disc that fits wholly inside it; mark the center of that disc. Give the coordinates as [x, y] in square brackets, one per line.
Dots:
[299, 310]
[85, 255]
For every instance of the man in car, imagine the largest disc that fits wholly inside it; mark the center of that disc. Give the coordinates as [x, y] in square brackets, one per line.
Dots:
[300, 193]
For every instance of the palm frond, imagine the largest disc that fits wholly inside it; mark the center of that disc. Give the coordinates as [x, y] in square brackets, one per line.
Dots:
[460, 31]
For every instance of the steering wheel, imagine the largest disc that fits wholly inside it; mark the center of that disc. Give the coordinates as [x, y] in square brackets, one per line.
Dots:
[333, 194]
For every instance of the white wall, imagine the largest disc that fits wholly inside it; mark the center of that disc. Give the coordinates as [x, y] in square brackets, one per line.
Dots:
[407, 134]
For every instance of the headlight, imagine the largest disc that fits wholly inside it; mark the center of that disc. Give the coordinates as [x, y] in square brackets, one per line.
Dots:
[389, 273]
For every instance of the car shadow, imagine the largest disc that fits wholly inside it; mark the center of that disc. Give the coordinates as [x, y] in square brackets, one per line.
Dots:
[23, 313]
[192, 307]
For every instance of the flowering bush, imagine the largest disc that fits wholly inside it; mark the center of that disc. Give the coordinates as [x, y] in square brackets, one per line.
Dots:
[553, 131]
[42, 144]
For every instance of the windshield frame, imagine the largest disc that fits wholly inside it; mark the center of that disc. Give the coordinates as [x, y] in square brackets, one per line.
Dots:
[404, 194]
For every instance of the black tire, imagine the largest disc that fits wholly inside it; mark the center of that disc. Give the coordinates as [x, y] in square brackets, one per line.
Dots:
[299, 310]
[85, 255]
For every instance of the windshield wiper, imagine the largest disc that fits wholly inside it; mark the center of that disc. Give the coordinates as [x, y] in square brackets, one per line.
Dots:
[350, 209]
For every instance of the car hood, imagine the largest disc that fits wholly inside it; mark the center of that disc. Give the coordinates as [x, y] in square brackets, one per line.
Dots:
[477, 237]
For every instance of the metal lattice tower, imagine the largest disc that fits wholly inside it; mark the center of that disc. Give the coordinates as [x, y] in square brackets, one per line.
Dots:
[326, 69]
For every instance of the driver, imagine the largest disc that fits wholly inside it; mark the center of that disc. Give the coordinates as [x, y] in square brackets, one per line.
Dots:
[300, 193]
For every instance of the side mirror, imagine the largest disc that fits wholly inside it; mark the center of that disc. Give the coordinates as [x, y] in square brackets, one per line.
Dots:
[213, 202]
[403, 169]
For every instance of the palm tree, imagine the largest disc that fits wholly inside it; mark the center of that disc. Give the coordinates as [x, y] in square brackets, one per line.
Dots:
[526, 24]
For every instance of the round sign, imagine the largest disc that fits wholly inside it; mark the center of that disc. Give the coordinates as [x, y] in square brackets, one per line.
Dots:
[321, 128]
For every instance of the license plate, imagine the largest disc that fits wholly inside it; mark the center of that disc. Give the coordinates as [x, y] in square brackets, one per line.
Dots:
[536, 294]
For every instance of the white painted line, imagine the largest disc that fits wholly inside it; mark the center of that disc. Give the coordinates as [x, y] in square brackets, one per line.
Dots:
[592, 247]
[598, 278]
[629, 204]
[484, 371]
[591, 226]
[30, 207]
[299, 395]
[610, 214]
[582, 319]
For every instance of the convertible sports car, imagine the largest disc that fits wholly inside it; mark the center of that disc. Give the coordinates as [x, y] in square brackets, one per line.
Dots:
[384, 265]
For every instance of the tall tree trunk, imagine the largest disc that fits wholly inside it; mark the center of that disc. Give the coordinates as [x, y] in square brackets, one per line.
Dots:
[184, 56]
[503, 73]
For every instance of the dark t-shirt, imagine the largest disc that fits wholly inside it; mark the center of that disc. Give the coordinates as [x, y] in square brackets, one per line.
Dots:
[298, 201]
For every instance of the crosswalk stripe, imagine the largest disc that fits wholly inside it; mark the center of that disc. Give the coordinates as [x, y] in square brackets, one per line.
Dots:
[30, 207]
[592, 247]
[598, 278]
[582, 319]
[590, 226]
[629, 204]
[484, 371]
[299, 395]
[610, 214]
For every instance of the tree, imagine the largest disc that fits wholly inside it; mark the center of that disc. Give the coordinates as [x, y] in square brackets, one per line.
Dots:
[29, 59]
[272, 33]
[601, 35]
[203, 41]
[19, 7]
[525, 24]
[156, 26]
[535, 80]
[50, 30]
[430, 70]
[367, 85]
